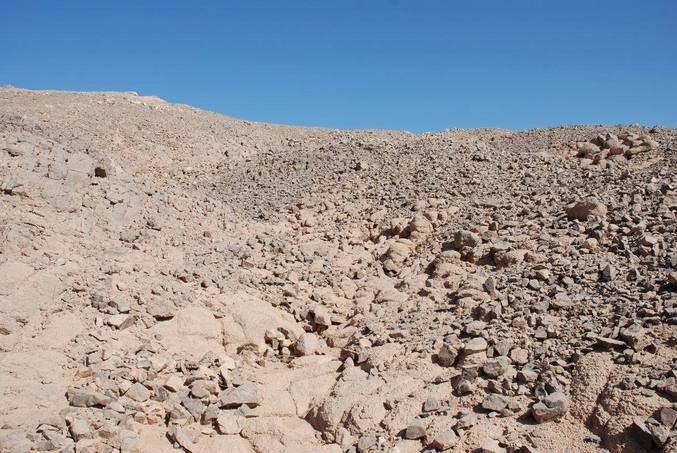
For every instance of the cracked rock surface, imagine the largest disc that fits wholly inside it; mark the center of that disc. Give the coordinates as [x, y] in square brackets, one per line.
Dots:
[173, 279]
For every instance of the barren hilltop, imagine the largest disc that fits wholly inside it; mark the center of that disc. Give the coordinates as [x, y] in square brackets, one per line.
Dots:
[176, 279]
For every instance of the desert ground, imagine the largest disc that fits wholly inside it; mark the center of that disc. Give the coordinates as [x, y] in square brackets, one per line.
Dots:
[174, 279]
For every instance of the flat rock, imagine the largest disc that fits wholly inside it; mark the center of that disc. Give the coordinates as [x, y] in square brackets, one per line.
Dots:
[246, 394]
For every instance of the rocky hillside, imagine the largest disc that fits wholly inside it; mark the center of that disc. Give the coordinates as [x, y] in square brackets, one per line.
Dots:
[176, 279]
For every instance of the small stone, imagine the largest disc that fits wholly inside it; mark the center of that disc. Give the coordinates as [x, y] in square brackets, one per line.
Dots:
[210, 414]
[431, 405]
[519, 356]
[608, 273]
[510, 257]
[477, 344]
[445, 440]
[120, 321]
[227, 363]
[466, 421]
[672, 278]
[19, 149]
[229, 423]
[138, 392]
[86, 398]
[447, 355]
[503, 347]
[496, 367]
[668, 416]
[246, 394]
[610, 343]
[632, 334]
[173, 383]
[121, 303]
[526, 375]
[53, 440]
[627, 383]
[307, 344]
[179, 436]
[108, 430]
[130, 235]
[465, 387]
[117, 407]
[415, 430]
[553, 406]
[322, 316]
[160, 309]
[492, 446]
[475, 328]
[593, 438]
[194, 407]
[586, 208]
[366, 443]
[587, 149]
[79, 429]
[466, 238]
[199, 390]
[495, 402]
[92, 446]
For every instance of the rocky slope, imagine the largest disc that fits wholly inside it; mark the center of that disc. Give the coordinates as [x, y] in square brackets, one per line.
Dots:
[176, 279]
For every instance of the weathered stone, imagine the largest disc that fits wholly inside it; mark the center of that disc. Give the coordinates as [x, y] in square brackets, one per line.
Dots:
[496, 367]
[121, 321]
[583, 209]
[246, 394]
[179, 436]
[87, 398]
[608, 273]
[79, 429]
[495, 403]
[366, 443]
[553, 406]
[431, 404]
[445, 440]
[194, 407]
[519, 356]
[475, 345]
[415, 430]
[138, 392]
[322, 316]
[229, 423]
[447, 355]
[610, 342]
[492, 446]
[307, 344]
[160, 309]
[466, 238]
[174, 383]
[587, 149]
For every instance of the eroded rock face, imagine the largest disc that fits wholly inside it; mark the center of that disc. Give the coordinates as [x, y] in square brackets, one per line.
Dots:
[187, 280]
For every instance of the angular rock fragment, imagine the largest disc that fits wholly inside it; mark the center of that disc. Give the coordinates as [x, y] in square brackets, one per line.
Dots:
[445, 440]
[245, 394]
[138, 392]
[583, 209]
[415, 430]
[553, 406]
[307, 344]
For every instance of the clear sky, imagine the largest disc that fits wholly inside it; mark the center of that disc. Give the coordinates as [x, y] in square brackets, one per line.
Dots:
[417, 65]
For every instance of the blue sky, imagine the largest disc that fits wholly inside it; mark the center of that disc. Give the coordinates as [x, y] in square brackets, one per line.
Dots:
[399, 64]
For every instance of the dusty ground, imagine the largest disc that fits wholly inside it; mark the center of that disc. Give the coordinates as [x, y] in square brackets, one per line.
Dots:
[172, 278]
